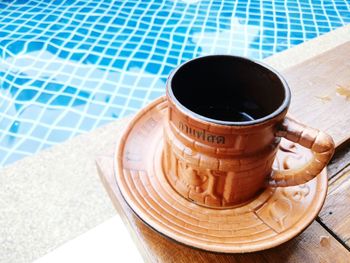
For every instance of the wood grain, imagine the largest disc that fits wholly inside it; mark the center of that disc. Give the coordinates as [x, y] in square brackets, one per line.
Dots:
[339, 162]
[315, 100]
[313, 245]
[336, 213]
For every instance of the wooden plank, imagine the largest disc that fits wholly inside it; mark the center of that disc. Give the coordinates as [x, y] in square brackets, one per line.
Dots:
[339, 162]
[336, 213]
[314, 84]
[313, 245]
[105, 171]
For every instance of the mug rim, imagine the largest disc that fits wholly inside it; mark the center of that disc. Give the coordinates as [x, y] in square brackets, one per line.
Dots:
[284, 105]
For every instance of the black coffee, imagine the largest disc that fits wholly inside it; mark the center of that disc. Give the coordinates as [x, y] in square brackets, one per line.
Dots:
[225, 88]
[240, 112]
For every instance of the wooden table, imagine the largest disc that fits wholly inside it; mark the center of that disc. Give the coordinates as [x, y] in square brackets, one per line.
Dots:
[321, 98]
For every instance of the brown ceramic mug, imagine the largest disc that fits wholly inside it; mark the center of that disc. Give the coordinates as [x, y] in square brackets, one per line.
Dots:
[226, 116]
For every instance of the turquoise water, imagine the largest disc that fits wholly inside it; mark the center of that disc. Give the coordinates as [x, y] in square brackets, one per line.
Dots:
[68, 67]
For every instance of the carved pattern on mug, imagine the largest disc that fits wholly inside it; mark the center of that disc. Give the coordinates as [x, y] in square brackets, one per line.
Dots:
[192, 178]
[205, 182]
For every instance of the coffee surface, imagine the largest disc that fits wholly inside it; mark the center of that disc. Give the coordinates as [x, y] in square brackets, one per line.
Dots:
[238, 112]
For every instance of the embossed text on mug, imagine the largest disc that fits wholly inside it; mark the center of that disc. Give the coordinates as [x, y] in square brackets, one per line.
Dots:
[201, 134]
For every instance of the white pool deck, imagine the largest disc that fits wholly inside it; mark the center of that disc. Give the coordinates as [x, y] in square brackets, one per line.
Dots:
[54, 204]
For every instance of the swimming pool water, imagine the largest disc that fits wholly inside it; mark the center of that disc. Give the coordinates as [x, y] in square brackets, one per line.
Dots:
[67, 67]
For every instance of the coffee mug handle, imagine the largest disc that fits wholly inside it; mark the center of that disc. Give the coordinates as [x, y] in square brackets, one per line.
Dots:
[321, 145]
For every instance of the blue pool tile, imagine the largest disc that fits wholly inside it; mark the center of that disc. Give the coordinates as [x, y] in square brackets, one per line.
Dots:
[87, 124]
[123, 91]
[119, 101]
[14, 157]
[156, 94]
[95, 109]
[114, 112]
[153, 68]
[70, 119]
[126, 49]
[135, 104]
[57, 135]
[129, 112]
[139, 94]
[28, 144]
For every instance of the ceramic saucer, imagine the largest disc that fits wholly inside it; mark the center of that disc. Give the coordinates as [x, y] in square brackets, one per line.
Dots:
[275, 216]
